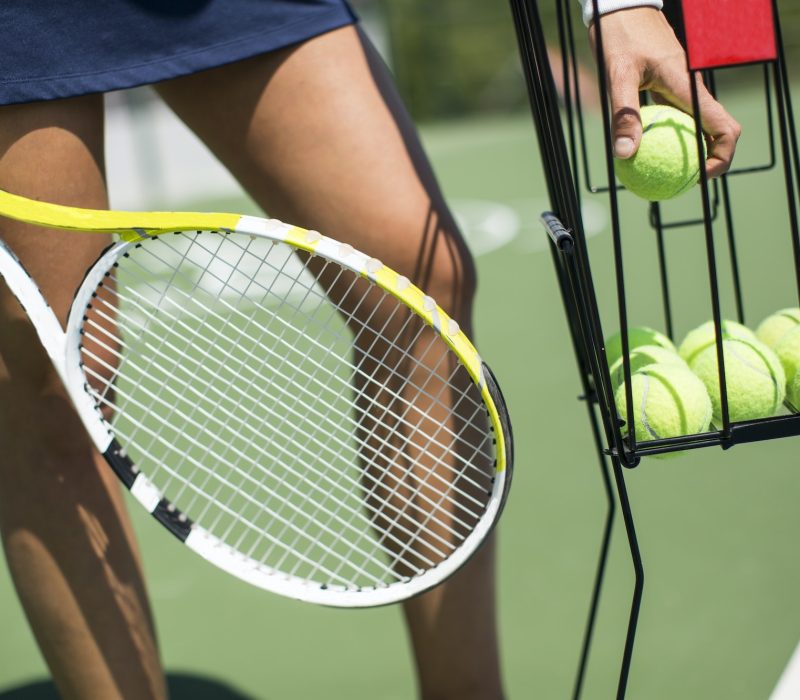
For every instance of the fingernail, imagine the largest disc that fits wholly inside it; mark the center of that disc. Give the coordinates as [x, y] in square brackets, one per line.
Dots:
[623, 147]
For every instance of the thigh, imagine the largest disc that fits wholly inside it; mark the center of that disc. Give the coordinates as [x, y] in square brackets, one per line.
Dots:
[51, 151]
[318, 137]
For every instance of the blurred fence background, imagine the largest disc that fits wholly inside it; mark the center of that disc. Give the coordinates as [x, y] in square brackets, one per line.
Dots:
[459, 57]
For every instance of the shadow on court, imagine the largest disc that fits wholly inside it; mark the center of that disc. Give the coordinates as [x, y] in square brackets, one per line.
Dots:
[181, 687]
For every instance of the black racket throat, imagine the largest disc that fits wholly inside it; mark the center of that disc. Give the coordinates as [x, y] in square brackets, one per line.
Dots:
[165, 512]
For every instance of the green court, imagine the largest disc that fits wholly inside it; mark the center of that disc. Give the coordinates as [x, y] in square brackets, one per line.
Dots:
[718, 530]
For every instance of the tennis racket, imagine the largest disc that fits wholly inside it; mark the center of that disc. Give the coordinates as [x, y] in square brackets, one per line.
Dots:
[292, 410]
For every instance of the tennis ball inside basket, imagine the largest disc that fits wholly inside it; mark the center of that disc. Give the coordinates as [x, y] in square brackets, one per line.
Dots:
[704, 335]
[666, 163]
[788, 351]
[641, 357]
[793, 391]
[772, 329]
[668, 401]
[754, 377]
[637, 336]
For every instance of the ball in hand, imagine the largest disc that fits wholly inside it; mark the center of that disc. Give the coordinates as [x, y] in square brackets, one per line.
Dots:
[666, 164]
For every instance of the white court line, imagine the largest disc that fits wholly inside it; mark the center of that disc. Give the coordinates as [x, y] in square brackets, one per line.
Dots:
[486, 225]
[788, 687]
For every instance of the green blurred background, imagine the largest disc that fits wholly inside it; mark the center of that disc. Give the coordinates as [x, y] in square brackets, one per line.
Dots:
[721, 612]
[457, 57]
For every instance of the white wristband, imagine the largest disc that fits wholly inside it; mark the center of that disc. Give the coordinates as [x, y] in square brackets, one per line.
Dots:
[605, 6]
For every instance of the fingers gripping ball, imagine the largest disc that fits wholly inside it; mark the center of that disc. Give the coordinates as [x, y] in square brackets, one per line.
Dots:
[637, 336]
[641, 357]
[754, 379]
[772, 329]
[668, 401]
[704, 335]
[666, 163]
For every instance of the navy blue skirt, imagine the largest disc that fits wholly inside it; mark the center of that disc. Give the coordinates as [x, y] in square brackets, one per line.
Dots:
[63, 48]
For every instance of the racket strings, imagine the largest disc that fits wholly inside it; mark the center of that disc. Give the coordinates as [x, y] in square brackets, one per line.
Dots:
[288, 524]
[292, 502]
[218, 476]
[312, 289]
[222, 397]
[322, 475]
[251, 356]
[259, 530]
[234, 341]
[252, 370]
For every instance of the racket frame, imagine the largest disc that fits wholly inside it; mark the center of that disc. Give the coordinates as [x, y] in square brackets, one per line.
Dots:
[64, 350]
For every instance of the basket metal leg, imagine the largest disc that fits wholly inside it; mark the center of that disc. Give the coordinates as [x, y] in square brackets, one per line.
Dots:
[605, 544]
[638, 568]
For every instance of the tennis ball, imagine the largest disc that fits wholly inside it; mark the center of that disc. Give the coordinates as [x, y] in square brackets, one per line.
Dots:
[788, 351]
[666, 163]
[754, 378]
[669, 401]
[704, 335]
[642, 356]
[793, 391]
[774, 327]
[637, 336]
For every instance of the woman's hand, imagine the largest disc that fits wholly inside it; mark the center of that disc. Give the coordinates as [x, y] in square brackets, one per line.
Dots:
[642, 53]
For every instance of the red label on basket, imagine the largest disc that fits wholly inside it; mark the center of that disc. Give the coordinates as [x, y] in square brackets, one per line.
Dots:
[728, 32]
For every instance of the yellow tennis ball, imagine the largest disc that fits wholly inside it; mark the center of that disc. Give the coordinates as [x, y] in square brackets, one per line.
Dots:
[705, 334]
[666, 163]
[637, 336]
[642, 356]
[793, 391]
[772, 329]
[754, 378]
[668, 400]
[788, 351]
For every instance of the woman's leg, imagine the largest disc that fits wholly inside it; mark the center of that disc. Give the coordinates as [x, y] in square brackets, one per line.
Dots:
[317, 136]
[66, 536]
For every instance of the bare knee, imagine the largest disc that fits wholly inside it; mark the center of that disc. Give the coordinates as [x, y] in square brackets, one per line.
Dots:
[439, 262]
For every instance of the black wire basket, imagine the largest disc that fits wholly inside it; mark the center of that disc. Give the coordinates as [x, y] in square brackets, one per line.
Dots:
[560, 118]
